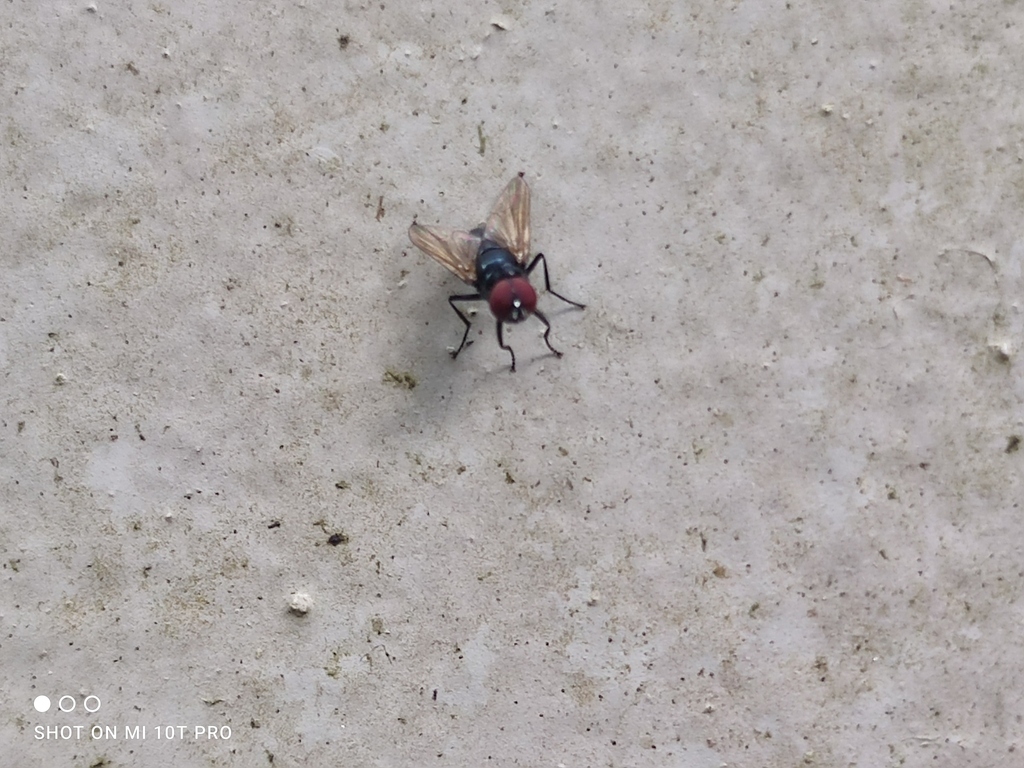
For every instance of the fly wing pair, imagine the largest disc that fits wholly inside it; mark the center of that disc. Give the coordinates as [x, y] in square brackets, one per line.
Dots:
[508, 226]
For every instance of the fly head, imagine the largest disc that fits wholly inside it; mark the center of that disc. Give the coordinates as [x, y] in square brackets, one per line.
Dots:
[513, 300]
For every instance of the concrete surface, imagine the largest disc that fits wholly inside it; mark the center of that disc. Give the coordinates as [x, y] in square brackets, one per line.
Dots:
[766, 511]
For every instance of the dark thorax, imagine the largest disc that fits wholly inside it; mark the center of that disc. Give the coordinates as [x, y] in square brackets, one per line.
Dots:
[494, 264]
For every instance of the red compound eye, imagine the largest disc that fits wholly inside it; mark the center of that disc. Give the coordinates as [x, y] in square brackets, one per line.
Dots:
[513, 300]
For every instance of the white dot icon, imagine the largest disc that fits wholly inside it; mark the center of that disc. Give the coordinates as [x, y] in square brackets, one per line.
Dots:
[41, 703]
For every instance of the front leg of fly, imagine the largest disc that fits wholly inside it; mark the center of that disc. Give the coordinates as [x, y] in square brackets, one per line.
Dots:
[547, 331]
[503, 345]
[462, 317]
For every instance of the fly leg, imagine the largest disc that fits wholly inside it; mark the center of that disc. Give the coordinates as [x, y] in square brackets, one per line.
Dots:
[547, 285]
[547, 330]
[503, 345]
[464, 319]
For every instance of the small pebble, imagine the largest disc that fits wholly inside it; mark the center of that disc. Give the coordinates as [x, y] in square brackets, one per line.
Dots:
[300, 603]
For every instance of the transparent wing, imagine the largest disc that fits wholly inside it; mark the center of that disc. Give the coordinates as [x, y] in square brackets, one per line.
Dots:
[509, 222]
[456, 250]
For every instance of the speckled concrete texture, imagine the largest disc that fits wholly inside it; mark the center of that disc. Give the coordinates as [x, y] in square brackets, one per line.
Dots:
[766, 510]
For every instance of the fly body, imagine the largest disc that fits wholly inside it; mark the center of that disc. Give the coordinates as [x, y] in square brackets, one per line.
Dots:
[495, 259]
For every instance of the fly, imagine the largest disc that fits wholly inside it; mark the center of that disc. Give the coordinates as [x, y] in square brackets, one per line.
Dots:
[495, 259]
